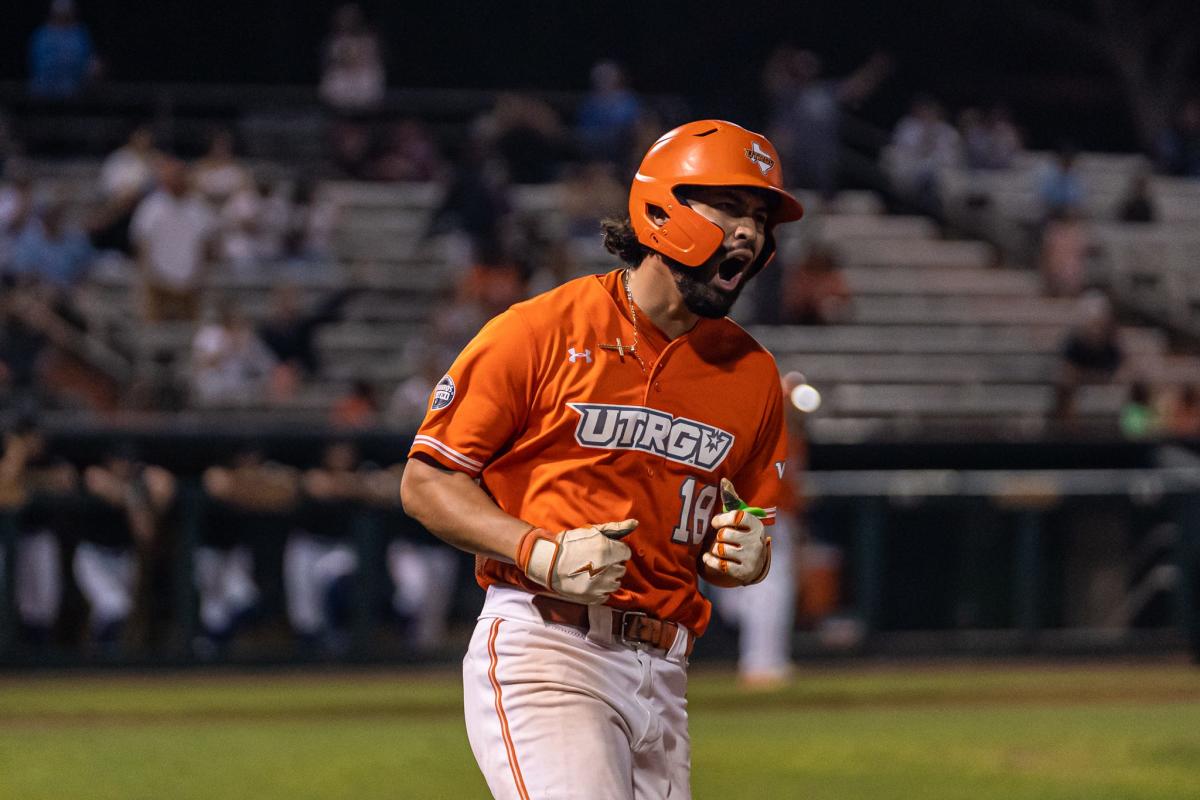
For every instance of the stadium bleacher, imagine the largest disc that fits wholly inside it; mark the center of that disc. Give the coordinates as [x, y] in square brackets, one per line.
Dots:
[938, 329]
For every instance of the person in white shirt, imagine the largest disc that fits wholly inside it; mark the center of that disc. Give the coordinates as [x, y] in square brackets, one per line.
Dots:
[130, 169]
[218, 175]
[173, 230]
[230, 364]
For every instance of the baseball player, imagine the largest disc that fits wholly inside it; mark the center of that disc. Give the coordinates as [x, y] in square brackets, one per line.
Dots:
[579, 446]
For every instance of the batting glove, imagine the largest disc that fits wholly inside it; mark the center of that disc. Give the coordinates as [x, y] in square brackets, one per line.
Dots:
[584, 565]
[740, 553]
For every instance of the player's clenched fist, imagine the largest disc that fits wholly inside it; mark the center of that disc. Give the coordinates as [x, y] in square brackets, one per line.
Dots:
[740, 554]
[583, 564]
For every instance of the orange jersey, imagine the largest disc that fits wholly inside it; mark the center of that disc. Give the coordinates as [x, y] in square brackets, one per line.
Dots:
[563, 433]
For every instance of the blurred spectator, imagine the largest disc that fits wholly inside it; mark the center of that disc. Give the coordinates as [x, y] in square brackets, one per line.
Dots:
[254, 222]
[922, 145]
[218, 175]
[311, 223]
[23, 341]
[245, 500]
[158, 388]
[16, 209]
[1179, 145]
[126, 502]
[1064, 253]
[1060, 188]
[590, 193]
[815, 291]
[408, 154]
[126, 177]
[1137, 205]
[51, 251]
[352, 74]
[61, 57]
[1090, 352]
[806, 110]
[290, 332]
[1183, 415]
[131, 169]
[1139, 418]
[350, 144]
[173, 230]
[358, 408]
[476, 202]
[33, 486]
[410, 401]
[230, 364]
[494, 281]
[319, 558]
[607, 116]
[1091, 349]
[528, 136]
[990, 141]
[43, 343]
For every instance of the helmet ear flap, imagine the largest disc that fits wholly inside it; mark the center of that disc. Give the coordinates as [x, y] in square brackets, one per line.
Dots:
[685, 236]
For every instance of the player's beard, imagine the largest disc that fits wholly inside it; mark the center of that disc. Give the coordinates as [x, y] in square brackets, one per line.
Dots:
[699, 296]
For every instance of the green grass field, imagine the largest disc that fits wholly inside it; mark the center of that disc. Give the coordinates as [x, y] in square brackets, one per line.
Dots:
[967, 732]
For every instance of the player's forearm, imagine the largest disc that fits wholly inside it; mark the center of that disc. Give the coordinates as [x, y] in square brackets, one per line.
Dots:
[453, 507]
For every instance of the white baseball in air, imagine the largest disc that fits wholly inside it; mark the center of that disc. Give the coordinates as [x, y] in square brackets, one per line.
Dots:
[806, 398]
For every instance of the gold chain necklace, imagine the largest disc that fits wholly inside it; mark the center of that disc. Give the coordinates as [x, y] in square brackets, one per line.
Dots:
[620, 348]
[633, 316]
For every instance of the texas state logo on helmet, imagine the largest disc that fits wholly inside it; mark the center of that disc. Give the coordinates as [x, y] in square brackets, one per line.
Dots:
[710, 152]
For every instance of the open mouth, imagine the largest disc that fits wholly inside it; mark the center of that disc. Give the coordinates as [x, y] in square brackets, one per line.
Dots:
[729, 271]
[730, 267]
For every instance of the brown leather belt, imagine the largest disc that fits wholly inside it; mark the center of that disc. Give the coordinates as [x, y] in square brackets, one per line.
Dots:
[628, 627]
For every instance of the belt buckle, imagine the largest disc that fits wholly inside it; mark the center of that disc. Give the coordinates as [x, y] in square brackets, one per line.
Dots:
[626, 616]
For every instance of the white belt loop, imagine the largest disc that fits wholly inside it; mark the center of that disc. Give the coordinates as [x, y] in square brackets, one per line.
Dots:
[678, 649]
[600, 624]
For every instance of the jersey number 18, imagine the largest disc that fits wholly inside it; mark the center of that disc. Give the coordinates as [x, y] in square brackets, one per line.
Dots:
[695, 512]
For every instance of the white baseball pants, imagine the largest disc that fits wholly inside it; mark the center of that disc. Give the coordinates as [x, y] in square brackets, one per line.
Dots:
[225, 582]
[106, 577]
[310, 567]
[38, 579]
[554, 714]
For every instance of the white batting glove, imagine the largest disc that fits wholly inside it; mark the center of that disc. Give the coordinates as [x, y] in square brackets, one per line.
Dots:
[584, 565]
[740, 554]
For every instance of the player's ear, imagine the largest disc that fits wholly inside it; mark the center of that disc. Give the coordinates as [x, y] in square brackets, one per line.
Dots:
[657, 215]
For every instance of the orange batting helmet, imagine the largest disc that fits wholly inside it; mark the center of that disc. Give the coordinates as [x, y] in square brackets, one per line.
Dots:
[710, 152]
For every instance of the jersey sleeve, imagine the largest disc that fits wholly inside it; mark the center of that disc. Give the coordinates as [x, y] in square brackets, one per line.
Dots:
[478, 406]
[759, 482]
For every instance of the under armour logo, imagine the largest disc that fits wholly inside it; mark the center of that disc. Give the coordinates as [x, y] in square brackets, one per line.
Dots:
[586, 355]
[760, 158]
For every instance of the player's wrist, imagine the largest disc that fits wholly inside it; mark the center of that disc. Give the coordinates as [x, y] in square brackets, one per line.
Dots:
[537, 552]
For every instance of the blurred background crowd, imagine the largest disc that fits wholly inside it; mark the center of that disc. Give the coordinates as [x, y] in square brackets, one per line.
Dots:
[269, 264]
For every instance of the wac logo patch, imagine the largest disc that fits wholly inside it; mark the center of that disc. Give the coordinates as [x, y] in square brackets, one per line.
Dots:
[678, 439]
[760, 157]
[443, 393]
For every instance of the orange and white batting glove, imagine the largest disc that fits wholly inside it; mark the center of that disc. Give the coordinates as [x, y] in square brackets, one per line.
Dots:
[740, 554]
[584, 565]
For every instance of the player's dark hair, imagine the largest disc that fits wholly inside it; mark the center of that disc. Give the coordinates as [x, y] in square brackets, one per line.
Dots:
[621, 240]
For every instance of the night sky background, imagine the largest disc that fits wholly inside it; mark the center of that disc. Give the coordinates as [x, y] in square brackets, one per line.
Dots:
[711, 53]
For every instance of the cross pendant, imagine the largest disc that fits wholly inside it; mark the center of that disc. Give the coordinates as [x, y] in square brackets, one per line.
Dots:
[618, 348]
